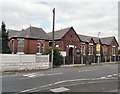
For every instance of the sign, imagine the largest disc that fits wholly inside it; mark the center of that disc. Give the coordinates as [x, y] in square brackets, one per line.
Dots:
[98, 48]
[63, 53]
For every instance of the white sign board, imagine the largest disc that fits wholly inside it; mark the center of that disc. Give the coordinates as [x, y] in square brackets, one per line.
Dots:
[63, 53]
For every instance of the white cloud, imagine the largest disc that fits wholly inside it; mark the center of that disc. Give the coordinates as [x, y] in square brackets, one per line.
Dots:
[85, 16]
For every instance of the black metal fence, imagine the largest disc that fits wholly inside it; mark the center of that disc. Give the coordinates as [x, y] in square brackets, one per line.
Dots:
[90, 59]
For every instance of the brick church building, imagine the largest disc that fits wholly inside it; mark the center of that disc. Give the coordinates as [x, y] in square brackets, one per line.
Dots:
[35, 40]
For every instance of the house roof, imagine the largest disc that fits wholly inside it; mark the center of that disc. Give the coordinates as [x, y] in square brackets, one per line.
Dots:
[106, 40]
[12, 33]
[33, 32]
[95, 39]
[84, 38]
[59, 33]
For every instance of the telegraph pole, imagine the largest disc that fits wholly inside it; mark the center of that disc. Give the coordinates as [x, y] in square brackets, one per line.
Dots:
[53, 36]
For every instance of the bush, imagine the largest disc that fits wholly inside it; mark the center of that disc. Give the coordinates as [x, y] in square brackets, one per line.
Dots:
[57, 58]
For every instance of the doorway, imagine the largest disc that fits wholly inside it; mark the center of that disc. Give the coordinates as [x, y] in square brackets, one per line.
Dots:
[70, 51]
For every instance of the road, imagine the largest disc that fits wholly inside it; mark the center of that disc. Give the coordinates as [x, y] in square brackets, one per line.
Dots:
[102, 78]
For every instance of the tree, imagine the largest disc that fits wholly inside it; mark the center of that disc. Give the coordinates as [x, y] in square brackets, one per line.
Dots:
[5, 48]
[57, 58]
[0, 40]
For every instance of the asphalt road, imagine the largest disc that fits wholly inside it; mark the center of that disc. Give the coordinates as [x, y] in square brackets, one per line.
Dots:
[102, 78]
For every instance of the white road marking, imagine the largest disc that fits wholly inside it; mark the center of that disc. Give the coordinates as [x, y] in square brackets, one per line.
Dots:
[64, 81]
[28, 90]
[87, 70]
[33, 75]
[109, 75]
[60, 89]
[54, 74]
[102, 77]
[115, 74]
[29, 74]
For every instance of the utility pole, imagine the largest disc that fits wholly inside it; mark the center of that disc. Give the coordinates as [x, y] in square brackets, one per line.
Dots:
[53, 37]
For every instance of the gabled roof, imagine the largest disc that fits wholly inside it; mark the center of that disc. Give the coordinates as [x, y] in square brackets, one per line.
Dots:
[107, 40]
[84, 38]
[12, 33]
[59, 34]
[95, 39]
[33, 32]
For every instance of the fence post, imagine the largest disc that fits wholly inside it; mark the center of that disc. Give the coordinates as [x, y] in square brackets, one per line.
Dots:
[63, 60]
[81, 59]
[48, 61]
[35, 61]
[110, 58]
[19, 62]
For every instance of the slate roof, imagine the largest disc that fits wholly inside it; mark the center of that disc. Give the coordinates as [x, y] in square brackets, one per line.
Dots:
[39, 33]
[33, 32]
[12, 33]
[59, 33]
[106, 40]
[84, 38]
[95, 39]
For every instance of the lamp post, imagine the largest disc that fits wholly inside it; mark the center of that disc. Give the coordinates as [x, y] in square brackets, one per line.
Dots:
[98, 48]
[53, 37]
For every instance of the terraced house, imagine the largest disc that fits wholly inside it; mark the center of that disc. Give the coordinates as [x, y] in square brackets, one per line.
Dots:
[78, 48]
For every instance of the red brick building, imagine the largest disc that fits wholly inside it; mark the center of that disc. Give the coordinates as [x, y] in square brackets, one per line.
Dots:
[29, 41]
[67, 40]
[35, 40]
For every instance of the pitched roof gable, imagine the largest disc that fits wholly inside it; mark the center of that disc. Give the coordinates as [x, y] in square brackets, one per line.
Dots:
[107, 40]
[34, 32]
[84, 38]
[59, 34]
[96, 39]
[12, 33]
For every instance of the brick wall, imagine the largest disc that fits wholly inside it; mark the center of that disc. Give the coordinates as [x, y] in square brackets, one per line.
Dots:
[70, 38]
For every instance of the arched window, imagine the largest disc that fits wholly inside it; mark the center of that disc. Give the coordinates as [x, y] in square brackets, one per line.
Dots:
[20, 45]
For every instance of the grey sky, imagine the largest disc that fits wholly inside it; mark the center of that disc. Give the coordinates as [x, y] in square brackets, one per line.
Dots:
[86, 16]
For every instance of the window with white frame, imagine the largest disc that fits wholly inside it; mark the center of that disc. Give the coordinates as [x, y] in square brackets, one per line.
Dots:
[20, 45]
[82, 49]
[42, 46]
[113, 50]
[90, 50]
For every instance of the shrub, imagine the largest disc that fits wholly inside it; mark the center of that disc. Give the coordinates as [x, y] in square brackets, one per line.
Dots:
[57, 58]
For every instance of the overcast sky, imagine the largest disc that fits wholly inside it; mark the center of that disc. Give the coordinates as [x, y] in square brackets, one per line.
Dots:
[87, 17]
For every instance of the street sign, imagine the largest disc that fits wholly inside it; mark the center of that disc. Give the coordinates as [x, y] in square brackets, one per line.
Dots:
[98, 48]
[63, 53]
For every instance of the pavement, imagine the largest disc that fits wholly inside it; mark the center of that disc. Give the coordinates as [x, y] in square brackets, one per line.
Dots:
[2, 73]
[71, 79]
